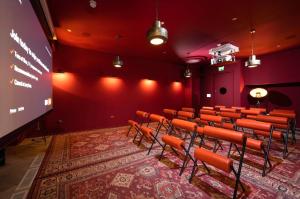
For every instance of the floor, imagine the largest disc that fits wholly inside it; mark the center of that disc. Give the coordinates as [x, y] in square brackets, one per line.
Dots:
[22, 164]
[78, 159]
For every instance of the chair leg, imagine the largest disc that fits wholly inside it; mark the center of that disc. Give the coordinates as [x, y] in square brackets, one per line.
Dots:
[129, 131]
[183, 164]
[141, 140]
[162, 152]
[193, 171]
[285, 151]
[153, 141]
[228, 154]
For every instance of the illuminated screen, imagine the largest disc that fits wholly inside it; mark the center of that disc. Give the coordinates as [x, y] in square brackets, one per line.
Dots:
[25, 66]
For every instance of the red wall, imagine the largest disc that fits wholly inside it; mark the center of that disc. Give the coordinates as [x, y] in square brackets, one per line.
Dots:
[207, 74]
[279, 74]
[93, 94]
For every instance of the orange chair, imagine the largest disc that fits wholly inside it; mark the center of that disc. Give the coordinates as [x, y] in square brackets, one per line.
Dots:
[207, 112]
[232, 110]
[292, 121]
[151, 134]
[213, 120]
[229, 116]
[142, 117]
[262, 110]
[223, 163]
[278, 123]
[258, 145]
[208, 108]
[169, 114]
[186, 109]
[246, 112]
[219, 106]
[184, 115]
[238, 108]
[178, 144]
[132, 124]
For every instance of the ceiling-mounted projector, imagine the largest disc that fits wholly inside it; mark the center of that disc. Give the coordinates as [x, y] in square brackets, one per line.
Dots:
[223, 54]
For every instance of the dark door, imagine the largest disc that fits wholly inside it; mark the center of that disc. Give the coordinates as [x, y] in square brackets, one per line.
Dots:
[223, 86]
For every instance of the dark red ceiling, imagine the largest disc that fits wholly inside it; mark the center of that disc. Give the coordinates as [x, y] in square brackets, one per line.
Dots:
[194, 26]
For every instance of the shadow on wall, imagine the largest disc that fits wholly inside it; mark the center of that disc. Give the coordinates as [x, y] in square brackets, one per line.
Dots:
[274, 97]
[279, 99]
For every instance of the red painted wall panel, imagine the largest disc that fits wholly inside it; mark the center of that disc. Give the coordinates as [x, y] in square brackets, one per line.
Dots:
[93, 94]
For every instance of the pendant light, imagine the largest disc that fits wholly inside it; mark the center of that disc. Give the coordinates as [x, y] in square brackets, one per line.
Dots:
[187, 73]
[117, 62]
[252, 62]
[157, 34]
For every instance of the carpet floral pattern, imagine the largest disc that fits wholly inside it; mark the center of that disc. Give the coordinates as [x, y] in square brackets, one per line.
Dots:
[107, 164]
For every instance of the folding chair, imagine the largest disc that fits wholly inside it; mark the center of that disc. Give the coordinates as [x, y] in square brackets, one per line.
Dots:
[178, 144]
[211, 120]
[232, 110]
[238, 108]
[186, 109]
[142, 117]
[207, 112]
[231, 117]
[258, 145]
[246, 112]
[223, 163]
[292, 121]
[151, 134]
[169, 114]
[262, 110]
[208, 108]
[278, 123]
[184, 115]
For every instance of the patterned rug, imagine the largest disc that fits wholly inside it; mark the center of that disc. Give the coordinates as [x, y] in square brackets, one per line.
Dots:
[107, 164]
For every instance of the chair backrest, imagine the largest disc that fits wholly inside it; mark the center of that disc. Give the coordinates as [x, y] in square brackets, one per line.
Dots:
[254, 125]
[211, 118]
[220, 106]
[238, 107]
[142, 114]
[207, 112]
[183, 124]
[185, 114]
[263, 110]
[232, 110]
[157, 118]
[251, 111]
[272, 119]
[284, 110]
[170, 112]
[231, 115]
[224, 134]
[208, 108]
[283, 114]
[186, 109]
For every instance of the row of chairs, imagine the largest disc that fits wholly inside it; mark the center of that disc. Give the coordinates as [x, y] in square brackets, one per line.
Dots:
[282, 119]
[206, 127]
[177, 130]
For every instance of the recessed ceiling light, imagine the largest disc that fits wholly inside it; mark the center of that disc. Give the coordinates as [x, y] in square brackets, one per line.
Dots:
[234, 19]
[93, 4]
[69, 30]
[278, 46]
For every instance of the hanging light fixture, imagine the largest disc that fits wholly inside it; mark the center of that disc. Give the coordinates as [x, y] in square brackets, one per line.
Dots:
[252, 62]
[117, 62]
[157, 34]
[187, 73]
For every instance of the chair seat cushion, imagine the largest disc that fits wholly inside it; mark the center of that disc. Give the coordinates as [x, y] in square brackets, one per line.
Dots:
[173, 141]
[254, 144]
[213, 159]
[275, 134]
